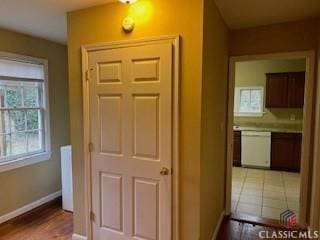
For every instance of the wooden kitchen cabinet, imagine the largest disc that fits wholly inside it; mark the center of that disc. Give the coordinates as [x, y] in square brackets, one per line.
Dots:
[277, 90]
[296, 90]
[237, 148]
[286, 151]
[285, 90]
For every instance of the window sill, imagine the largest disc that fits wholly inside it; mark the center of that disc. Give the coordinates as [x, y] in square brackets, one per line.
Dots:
[24, 161]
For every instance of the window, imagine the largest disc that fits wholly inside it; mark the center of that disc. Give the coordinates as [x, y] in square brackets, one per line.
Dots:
[249, 101]
[24, 131]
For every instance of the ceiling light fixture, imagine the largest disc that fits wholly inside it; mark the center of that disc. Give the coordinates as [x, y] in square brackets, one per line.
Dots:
[128, 1]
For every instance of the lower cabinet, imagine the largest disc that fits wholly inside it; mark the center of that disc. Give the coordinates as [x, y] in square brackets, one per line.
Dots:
[286, 151]
[237, 148]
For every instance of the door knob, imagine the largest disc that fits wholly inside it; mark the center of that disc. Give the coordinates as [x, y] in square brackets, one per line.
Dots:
[164, 171]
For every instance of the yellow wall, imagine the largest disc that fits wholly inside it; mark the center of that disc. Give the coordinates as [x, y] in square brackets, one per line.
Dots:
[25, 185]
[213, 119]
[103, 24]
[253, 74]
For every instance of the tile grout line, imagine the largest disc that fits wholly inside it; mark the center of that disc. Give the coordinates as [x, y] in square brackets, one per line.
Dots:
[245, 177]
[237, 202]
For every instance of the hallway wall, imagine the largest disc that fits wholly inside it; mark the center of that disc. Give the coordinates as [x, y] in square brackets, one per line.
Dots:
[25, 185]
[165, 17]
[213, 119]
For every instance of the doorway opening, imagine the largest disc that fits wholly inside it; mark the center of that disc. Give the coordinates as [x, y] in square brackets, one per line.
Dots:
[269, 119]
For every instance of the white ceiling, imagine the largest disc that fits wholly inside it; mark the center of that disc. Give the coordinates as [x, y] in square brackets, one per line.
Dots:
[41, 18]
[47, 18]
[251, 13]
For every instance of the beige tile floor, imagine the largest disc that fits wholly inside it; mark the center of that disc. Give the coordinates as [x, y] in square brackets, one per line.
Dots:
[264, 193]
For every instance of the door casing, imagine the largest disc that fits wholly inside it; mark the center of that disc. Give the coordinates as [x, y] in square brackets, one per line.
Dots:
[306, 129]
[85, 49]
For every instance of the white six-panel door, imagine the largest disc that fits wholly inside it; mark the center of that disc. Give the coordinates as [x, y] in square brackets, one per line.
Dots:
[131, 131]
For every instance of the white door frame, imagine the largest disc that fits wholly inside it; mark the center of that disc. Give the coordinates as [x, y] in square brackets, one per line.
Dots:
[86, 49]
[307, 121]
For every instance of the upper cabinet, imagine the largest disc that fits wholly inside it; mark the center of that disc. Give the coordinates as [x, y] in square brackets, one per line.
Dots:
[285, 90]
[277, 90]
[296, 89]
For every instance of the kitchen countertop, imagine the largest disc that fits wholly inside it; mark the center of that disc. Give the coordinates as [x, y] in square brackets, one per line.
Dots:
[266, 129]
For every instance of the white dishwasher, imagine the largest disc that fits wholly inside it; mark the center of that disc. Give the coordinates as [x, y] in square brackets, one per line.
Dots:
[255, 149]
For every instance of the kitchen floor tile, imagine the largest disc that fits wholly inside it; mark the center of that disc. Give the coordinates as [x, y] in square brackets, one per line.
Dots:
[293, 189]
[294, 206]
[235, 197]
[292, 184]
[239, 175]
[234, 205]
[291, 179]
[237, 184]
[253, 180]
[239, 172]
[250, 185]
[273, 188]
[291, 175]
[251, 192]
[255, 174]
[274, 203]
[254, 170]
[273, 213]
[272, 174]
[237, 179]
[274, 195]
[250, 199]
[291, 194]
[265, 193]
[293, 199]
[273, 179]
[249, 209]
[273, 182]
[236, 190]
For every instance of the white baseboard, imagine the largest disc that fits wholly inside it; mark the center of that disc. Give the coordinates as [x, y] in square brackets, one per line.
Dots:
[78, 237]
[29, 207]
[216, 230]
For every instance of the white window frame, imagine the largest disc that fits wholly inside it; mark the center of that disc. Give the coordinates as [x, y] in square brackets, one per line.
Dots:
[237, 112]
[33, 158]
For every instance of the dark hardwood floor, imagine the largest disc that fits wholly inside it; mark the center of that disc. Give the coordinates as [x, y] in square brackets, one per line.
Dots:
[50, 222]
[232, 229]
[43, 223]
